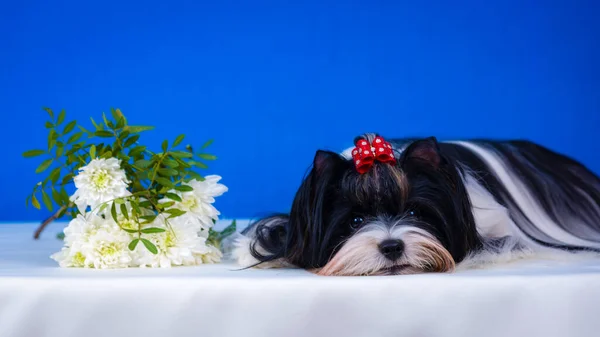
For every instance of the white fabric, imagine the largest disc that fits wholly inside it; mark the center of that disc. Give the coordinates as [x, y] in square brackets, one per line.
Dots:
[38, 299]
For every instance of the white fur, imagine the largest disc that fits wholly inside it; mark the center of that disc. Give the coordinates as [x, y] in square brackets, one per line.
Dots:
[360, 254]
[241, 254]
[524, 200]
[508, 254]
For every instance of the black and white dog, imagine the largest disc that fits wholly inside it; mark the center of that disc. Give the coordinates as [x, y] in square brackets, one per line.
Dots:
[414, 206]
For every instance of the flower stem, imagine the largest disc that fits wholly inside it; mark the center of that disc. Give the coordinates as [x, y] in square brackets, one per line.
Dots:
[46, 222]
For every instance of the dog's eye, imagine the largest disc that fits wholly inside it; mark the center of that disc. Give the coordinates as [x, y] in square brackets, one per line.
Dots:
[414, 212]
[356, 222]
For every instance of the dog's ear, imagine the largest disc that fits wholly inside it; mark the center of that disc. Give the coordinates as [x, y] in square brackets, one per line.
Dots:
[306, 222]
[425, 151]
[326, 160]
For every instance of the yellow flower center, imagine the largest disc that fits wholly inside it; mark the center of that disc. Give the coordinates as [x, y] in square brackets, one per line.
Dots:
[169, 239]
[78, 260]
[100, 179]
[108, 250]
[189, 202]
[128, 223]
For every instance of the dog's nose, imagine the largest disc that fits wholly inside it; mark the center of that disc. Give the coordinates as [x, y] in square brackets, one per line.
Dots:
[392, 249]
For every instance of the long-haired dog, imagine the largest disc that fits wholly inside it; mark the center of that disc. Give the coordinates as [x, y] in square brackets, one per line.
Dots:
[414, 206]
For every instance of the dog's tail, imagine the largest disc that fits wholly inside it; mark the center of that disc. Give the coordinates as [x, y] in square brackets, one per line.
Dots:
[262, 244]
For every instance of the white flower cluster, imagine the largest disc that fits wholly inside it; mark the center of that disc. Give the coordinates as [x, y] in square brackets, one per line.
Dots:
[95, 240]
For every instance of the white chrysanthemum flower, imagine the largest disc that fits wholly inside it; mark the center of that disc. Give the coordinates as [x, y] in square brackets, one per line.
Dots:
[77, 235]
[213, 255]
[199, 201]
[69, 257]
[108, 247]
[99, 181]
[79, 229]
[178, 245]
[94, 242]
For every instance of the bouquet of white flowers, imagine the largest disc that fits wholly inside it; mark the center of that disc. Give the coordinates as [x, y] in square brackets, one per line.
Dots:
[131, 207]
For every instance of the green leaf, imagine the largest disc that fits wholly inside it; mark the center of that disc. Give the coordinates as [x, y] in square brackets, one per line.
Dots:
[207, 144]
[113, 212]
[133, 244]
[165, 145]
[174, 212]
[138, 128]
[75, 137]
[59, 149]
[182, 163]
[150, 246]
[44, 165]
[167, 204]
[197, 164]
[50, 112]
[131, 140]
[106, 121]
[104, 133]
[116, 115]
[181, 154]
[61, 117]
[135, 206]
[170, 163]
[137, 150]
[55, 174]
[60, 236]
[123, 134]
[152, 230]
[124, 211]
[132, 231]
[206, 156]
[227, 231]
[49, 125]
[173, 196]
[178, 140]
[33, 153]
[46, 200]
[93, 152]
[142, 163]
[83, 129]
[56, 196]
[52, 135]
[64, 194]
[184, 188]
[195, 175]
[97, 126]
[167, 172]
[120, 122]
[165, 182]
[148, 218]
[102, 208]
[69, 127]
[35, 202]
[67, 178]
[118, 111]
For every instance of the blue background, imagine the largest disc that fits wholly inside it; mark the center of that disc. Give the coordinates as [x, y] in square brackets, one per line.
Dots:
[273, 82]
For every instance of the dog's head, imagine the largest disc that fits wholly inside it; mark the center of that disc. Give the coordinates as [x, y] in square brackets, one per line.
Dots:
[409, 216]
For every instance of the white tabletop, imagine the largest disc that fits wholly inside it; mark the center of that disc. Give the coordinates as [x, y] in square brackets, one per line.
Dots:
[37, 298]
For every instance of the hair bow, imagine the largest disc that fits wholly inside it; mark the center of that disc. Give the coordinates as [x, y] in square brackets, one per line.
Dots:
[365, 154]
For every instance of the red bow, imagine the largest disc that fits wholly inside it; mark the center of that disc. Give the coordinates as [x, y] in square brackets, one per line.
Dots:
[365, 154]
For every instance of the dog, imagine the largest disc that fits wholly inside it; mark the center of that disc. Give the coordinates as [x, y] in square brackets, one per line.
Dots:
[412, 206]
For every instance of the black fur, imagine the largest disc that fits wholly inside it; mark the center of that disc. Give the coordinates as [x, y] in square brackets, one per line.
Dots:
[427, 183]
